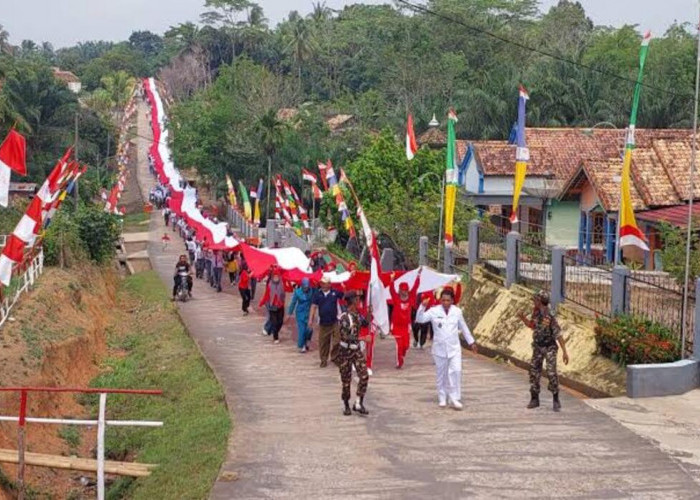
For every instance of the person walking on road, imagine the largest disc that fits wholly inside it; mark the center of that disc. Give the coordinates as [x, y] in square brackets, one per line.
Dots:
[447, 321]
[325, 305]
[273, 300]
[301, 307]
[218, 265]
[350, 354]
[403, 303]
[546, 334]
[244, 288]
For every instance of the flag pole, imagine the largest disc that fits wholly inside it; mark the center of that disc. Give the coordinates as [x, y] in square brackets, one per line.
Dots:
[442, 218]
[691, 195]
[313, 213]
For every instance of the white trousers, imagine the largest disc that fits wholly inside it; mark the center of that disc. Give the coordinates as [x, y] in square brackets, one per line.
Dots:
[449, 377]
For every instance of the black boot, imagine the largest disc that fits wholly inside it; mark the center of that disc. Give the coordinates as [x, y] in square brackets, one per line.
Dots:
[534, 400]
[556, 406]
[347, 410]
[361, 407]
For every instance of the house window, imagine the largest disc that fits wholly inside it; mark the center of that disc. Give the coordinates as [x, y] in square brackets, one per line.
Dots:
[598, 223]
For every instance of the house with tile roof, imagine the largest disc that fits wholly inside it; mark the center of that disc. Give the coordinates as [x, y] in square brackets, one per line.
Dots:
[660, 191]
[572, 186]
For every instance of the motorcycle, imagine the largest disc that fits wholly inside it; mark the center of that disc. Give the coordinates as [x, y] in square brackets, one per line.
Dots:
[182, 292]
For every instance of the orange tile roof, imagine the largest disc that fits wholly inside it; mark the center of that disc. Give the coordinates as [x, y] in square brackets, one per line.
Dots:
[497, 158]
[601, 175]
[659, 163]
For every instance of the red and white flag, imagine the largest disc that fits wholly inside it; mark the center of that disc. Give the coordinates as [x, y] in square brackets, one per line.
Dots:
[13, 152]
[377, 293]
[411, 144]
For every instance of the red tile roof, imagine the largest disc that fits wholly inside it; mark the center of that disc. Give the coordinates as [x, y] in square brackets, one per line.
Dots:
[676, 216]
[498, 158]
[601, 175]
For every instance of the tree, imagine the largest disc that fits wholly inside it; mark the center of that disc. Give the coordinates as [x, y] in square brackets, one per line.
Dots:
[146, 42]
[270, 132]
[301, 45]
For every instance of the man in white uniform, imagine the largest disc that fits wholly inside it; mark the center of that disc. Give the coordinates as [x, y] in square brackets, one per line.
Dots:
[447, 321]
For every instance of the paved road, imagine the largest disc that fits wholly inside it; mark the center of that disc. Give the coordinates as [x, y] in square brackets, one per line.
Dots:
[291, 440]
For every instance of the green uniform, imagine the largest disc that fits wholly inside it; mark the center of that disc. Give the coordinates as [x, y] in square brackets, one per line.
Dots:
[544, 347]
[349, 353]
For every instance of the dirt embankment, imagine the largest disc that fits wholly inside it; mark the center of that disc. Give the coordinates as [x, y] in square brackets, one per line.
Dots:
[57, 339]
[491, 312]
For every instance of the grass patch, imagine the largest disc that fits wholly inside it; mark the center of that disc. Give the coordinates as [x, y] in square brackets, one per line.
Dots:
[71, 435]
[191, 445]
[135, 223]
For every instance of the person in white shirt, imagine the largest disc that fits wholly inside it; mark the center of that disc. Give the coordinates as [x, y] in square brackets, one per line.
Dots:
[447, 321]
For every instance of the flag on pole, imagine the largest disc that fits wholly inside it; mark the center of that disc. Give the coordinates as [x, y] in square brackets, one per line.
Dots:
[246, 201]
[522, 155]
[411, 145]
[231, 192]
[450, 178]
[323, 168]
[376, 291]
[258, 197]
[308, 176]
[630, 234]
[13, 152]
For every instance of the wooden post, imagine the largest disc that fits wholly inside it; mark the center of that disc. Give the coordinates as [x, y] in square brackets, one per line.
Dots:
[101, 447]
[20, 444]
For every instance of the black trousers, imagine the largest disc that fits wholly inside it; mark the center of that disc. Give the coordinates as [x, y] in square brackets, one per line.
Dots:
[176, 279]
[245, 295]
[276, 320]
[421, 331]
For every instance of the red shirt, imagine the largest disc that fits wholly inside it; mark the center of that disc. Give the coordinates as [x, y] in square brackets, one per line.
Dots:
[244, 280]
[401, 313]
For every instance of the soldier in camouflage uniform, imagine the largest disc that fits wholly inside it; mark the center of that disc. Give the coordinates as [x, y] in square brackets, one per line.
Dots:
[349, 354]
[546, 334]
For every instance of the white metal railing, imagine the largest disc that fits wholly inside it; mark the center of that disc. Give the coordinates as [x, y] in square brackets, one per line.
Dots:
[19, 285]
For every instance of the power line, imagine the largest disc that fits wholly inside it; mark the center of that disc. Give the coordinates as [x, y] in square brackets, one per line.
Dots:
[481, 31]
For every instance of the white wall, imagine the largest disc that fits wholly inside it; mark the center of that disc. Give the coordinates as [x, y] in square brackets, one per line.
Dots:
[471, 177]
[503, 185]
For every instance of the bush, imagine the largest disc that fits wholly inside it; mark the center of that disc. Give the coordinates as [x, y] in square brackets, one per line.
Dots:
[75, 235]
[635, 340]
[99, 232]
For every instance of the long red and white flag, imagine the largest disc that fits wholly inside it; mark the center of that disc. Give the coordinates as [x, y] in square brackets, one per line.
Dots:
[411, 144]
[13, 153]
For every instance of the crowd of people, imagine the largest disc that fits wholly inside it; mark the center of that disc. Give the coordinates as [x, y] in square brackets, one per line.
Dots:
[346, 336]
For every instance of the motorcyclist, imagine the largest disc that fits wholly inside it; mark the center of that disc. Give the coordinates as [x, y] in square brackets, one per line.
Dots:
[182, 266]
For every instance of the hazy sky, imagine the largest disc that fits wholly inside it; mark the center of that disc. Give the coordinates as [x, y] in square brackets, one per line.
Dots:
[65, 22]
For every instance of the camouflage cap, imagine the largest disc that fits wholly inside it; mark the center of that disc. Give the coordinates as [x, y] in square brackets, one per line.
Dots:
[542, 296]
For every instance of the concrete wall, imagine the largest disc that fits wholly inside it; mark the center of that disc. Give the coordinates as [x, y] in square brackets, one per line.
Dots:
[588, 198]
[491, 313]
[663, 379]
[563, 226]
[471, 176]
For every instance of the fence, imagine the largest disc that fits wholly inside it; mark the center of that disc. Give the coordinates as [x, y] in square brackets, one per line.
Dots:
[22, 419]
[658, 297]
[19, 285]
[534, 266]
[602, 290]
[588, 286]
[492, 249]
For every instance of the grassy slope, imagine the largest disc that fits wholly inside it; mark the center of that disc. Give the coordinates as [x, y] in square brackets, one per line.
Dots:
[151, 349]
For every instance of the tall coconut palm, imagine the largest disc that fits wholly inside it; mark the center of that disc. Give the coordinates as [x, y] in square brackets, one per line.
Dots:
[5, 47]
[270, 133]
[301, 44]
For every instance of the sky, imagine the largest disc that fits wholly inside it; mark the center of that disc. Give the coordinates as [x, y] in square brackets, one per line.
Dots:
[66, 22]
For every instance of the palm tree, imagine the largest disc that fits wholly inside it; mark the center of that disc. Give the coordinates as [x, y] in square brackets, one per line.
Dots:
[5, 47]
[270, 132]
[301, 45]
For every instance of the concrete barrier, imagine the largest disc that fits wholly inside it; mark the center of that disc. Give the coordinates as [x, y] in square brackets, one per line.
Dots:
[663, 379]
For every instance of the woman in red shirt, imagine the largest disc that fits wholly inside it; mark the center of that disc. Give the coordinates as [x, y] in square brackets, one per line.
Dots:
[403, 304]
[273, 299]
[244, 287]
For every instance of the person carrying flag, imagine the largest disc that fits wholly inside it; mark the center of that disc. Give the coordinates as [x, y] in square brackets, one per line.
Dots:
[403, 303]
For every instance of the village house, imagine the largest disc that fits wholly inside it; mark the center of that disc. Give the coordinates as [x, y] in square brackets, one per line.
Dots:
[571, 193]
[72, 81]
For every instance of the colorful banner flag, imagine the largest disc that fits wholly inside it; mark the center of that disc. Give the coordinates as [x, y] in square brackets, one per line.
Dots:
[411, 144]
[630, 234]
[522, 155]
[231, 192]
[246, 201]
[450, 178]
[258, 198]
